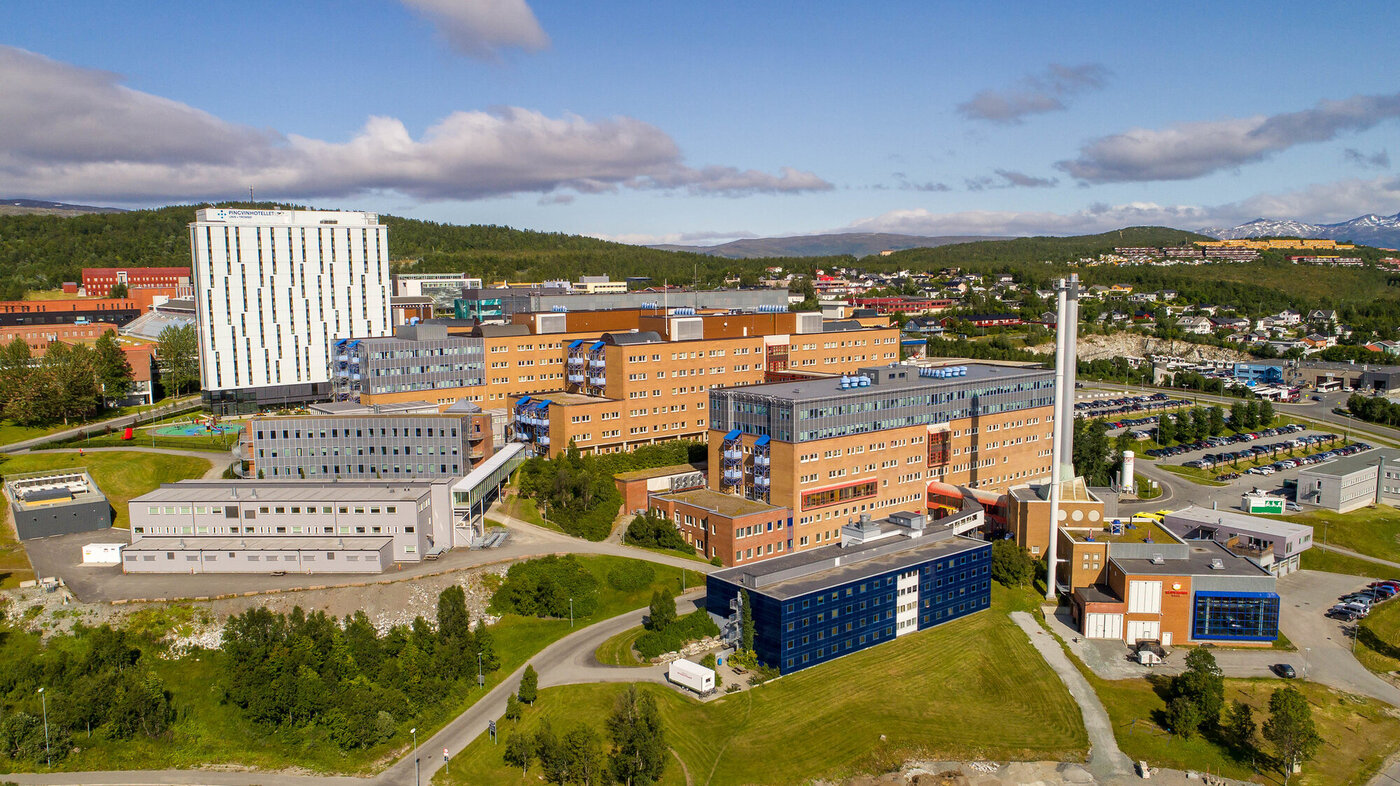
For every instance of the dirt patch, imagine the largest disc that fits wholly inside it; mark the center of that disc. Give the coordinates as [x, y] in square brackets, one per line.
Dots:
[200, 624]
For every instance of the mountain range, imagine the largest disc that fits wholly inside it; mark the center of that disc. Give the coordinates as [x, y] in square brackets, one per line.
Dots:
[856, 244]
[24, 207]
[1368, 230]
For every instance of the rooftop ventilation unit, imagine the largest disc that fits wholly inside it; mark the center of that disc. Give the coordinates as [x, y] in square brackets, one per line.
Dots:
[1157, 560]
[1216, 564]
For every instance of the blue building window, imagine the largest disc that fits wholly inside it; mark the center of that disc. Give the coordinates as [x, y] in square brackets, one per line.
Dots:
[1243, 616]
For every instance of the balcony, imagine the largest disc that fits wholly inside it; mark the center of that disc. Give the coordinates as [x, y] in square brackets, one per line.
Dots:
[734, 455]
[761, 461]
[476, 436]
[598, 381]
[544, 439]
[761, 480]
[576, 378]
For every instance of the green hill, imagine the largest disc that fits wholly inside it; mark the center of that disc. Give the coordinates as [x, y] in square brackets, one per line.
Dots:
[39, 252]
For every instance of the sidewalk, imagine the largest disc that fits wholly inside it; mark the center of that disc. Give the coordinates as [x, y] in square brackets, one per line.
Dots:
[98, 427]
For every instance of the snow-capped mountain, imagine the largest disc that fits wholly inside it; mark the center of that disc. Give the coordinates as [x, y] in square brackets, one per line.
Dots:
[1368, 230]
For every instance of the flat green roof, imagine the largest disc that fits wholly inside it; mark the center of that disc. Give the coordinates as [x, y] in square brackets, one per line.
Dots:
[657, 472]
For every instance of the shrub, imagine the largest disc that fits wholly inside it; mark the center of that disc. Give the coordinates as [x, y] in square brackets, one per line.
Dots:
[631, 575]
[693, 626]
[655, 532]
[542, 587]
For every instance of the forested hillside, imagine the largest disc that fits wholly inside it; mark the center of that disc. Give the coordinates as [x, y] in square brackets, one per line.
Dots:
[41, 252]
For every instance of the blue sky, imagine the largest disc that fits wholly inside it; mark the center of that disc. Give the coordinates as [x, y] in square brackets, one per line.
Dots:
[704, 121]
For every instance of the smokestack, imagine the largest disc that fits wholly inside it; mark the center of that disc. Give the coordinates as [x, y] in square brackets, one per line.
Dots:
[1068, 328]
[1056, 435]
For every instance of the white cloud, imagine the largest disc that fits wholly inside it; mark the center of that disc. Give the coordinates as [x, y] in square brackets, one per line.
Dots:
[1009, 178]
[482, 28]
[1191, 150]
[681, 238]
[68, 132]
[1322, 203]
[1035, 94]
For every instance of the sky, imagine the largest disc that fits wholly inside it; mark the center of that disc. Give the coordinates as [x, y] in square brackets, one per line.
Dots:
[697, 123]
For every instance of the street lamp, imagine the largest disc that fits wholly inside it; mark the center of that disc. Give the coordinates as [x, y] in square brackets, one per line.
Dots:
[571, 612]
[416, 776]
[44, 700]
[1306, 650]
[479, 680]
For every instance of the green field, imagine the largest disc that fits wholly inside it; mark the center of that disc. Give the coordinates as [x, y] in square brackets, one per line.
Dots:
[1373, 531]
[1378, 647]
[1332, 562]
[974, 688]
[1204, 477]
[120, 475]
[1359, 733]
[147, 438]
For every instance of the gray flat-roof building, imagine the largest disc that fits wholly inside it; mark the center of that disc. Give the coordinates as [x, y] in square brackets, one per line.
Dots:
[1272, 543]
[241, 526]
[505, 303]
[365, 445]
[1352, 482]
[416, 358]
[56, 503]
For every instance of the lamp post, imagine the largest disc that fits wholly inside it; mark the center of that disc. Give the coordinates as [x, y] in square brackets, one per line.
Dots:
[44, 700]
[479, 680]
[571, 612]
[1306, 650]
[417, 779]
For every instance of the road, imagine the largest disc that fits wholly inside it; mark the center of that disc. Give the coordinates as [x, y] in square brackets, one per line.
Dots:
[175, 407]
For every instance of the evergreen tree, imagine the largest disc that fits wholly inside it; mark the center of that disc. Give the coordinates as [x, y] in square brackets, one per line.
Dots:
[583, 756]
[1238, 415]
[1183, 717]
[550, 753]
[485, 643]
[1203, 684]
[1012, 565]
[639, 742]
[529, 685]
[1266, 413]
[1291, 730]
[114, 375]
[1200, 423]
[1166, 429]
[1240, 725]
[453, 621]
[513, 708]
[663, 610]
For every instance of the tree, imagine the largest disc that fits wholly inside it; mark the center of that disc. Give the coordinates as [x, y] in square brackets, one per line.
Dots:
[1166, 429]
[1215, 421]
[663, 610]
[513, 708]
[1238, 415]
[1012, 565]
[453, 621]
[1183, 717]
[639, 742]
[119, 290]
[583, 756]
[746, 622]
[1240, 726]
[485, 644]
[1124, 442]
[1251, 415]
[1202, 684]
[1200, 424]
[529, 685]
[1266, 413]
[550, 752]
[1091, 451]
[1290, 728]
[710, 662]
[519, 751]
[114, 375]
[177, 350]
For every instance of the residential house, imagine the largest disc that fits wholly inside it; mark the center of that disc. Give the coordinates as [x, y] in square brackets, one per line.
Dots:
[1200, 326]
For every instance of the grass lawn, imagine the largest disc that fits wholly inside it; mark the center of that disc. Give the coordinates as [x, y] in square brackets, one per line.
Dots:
[208, 731]
[1359, 733]
[1203, 477]
[1373, 531]
[1144, 486]
[525, 510]
[1378, 647]
[120, 475]
[1331, 562]
[617, 651]
[955, 701]
[147, 438]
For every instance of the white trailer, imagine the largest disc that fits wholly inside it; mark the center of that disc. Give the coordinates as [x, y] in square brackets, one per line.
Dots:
[691, 675]
[103, 553]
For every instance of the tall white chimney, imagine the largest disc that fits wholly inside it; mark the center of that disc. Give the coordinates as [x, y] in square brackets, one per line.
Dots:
[1062, 438]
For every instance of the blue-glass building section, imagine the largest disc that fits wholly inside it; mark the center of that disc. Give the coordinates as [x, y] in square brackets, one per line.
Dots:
[955, 586]
[802, 631]
[1238, 616]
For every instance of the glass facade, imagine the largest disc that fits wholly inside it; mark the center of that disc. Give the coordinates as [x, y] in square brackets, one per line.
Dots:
[794, 633]
[1243, 616]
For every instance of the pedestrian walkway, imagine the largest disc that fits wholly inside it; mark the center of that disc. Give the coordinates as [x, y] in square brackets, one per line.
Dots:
[218, 459]
[1106, 761]
[1357, 555]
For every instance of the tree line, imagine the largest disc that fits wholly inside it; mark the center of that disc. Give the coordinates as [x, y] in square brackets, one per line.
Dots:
[301, 672]
[70, 381]
[93, 682]
[636, 755]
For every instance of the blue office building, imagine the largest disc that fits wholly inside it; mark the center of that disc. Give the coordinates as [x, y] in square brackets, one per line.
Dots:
[886, 579]
[1259, 373]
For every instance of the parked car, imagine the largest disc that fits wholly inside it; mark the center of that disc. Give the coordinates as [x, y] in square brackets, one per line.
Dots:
[1341, 613]
[1285, 670]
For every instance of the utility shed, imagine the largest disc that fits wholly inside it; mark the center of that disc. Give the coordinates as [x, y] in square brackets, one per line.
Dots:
[56, 503]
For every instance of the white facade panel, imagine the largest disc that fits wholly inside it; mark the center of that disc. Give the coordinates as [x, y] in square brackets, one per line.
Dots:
[1143, 629]
[275, 289]
[1144, 597]
[1103, 626]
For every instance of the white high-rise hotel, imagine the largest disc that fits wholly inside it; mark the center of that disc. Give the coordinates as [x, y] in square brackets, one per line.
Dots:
[274, 290]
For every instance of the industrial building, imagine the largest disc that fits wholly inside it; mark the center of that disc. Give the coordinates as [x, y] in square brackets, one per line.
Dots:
[883, 580]
[830, 449]
[1352, 482]
[1139, 582]
[1273, 544]
[274, 289]
[56, 503]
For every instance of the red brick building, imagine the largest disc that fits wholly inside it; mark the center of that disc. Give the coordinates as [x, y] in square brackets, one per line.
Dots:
[98, 281]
